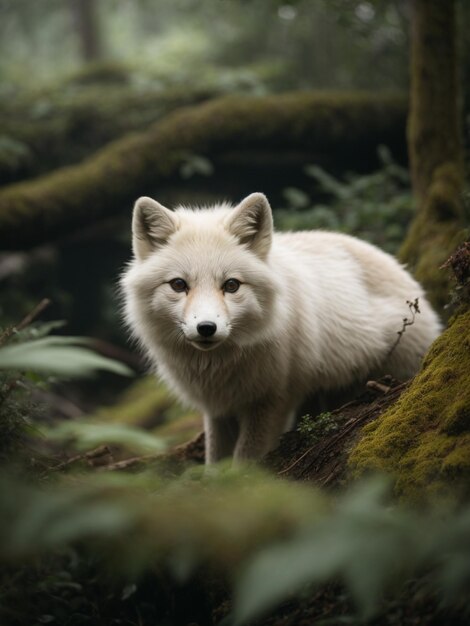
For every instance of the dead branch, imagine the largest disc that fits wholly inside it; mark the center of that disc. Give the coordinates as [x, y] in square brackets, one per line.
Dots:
[376, 386]
[26, 321]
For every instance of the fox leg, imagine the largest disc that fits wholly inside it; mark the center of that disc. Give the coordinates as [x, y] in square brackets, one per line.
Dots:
[260, 433]
[221, 435]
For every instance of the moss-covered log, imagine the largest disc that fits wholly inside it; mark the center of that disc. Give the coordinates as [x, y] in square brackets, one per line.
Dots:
[60, 126]
[346, 126]
[434, 145]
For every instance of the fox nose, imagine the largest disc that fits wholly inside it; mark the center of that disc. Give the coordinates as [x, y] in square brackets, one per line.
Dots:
[206, 329]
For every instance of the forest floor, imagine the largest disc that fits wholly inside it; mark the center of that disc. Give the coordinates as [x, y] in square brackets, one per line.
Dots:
[316, 453]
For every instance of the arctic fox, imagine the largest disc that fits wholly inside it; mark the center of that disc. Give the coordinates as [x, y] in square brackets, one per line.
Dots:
[242, 323]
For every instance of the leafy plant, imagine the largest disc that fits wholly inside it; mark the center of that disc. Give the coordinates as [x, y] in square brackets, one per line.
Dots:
[28, 358]
[313, 428]
[196, 164]
[376, 207]
[65, 356]
[369, 545]
[280, 539]
[13, 153]
[86, 435]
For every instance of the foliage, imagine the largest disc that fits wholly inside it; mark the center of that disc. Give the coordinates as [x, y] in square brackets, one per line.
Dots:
[196, 164]
[105, 533]
[314, 428]
[14, 154]
[28, 360]
[65, 122]
[147, 404]
[367, 544]
[310, 44]
[197, 514]
[65, 356]
[278, 538]
[85, 435]
[376, 207]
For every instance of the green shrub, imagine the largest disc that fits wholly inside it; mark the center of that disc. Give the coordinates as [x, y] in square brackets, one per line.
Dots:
[376, 207]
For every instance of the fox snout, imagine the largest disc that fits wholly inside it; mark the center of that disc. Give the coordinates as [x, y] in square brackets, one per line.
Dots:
[206, 335]
[206, 329]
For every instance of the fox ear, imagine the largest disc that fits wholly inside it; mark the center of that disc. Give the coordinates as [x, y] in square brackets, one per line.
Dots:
[252, 223]
[152, 225]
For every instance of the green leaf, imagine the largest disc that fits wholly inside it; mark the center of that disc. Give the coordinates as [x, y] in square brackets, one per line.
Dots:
[63, 516]
[366, 544]
[196, 164]
[60, 356]
[88, 435]
[296, 198]
[38, 330]
[328, 182]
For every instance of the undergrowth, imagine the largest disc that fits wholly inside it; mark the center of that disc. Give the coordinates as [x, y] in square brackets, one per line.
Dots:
[314, 428]
[377, 207]
[98, 544]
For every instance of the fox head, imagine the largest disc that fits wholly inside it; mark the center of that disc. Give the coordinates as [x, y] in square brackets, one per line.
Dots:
[201, 277]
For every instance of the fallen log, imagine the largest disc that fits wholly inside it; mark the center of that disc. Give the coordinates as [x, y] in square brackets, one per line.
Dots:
[342, 127]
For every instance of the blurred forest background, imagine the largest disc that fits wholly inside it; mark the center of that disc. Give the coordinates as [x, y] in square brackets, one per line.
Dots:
[317, 104]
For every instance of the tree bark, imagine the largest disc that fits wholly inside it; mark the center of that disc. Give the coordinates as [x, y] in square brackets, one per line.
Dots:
[435, 149]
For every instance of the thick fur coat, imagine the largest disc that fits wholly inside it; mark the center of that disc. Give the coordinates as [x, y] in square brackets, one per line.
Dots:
[243, 323]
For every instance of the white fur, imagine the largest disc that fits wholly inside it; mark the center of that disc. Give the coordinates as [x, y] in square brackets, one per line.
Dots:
[316, 311]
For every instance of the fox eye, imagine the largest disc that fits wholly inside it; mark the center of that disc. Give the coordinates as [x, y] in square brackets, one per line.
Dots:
[178, 284]
[231, 285]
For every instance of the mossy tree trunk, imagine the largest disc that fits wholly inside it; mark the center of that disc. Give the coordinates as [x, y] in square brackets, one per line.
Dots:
[435, 149]
[88, 29]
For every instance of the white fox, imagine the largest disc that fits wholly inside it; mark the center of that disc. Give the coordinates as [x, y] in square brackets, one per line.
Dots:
[243, 323]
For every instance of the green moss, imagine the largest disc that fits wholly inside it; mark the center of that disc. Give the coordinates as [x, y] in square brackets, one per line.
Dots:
[36, 211]
[456, 418]
[424, 439]
[148, 404]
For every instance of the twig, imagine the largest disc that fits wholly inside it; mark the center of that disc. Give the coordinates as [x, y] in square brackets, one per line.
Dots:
[376, 386]
[26, 321]
[89, 456]
[414, 308]
[125, 463]
[296, 461]
[330, 442]
[72, 459]
[6, 390]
